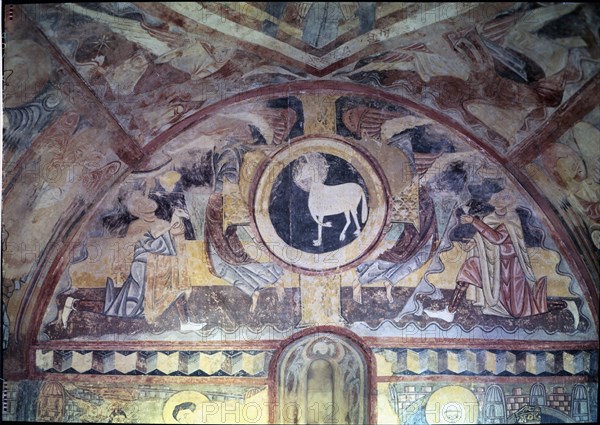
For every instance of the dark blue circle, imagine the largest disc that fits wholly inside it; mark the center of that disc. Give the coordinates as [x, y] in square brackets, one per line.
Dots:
[289, 214]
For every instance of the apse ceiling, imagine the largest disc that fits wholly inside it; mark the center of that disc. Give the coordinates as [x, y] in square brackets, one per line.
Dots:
[322, 37]
[486, 66]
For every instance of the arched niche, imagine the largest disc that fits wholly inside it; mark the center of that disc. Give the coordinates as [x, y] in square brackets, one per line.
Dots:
[322, 377]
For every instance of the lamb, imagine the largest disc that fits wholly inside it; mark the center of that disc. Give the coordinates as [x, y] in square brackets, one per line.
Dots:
[325, 200]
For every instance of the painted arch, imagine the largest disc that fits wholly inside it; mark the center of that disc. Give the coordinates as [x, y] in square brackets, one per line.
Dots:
[191, 192]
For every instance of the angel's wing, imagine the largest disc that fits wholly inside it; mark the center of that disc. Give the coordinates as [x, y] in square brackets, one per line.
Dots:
[365, 121]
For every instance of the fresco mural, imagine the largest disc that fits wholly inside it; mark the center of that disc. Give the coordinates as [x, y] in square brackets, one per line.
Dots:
[80, 403]
[413, 402]
[495, 70]
[441, 228]
[418, 402]
[301, 212]
[567, 172]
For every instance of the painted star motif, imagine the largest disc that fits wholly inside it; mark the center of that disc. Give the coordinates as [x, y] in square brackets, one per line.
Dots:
[101, 44]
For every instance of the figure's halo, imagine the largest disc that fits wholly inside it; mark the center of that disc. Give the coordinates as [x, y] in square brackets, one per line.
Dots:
[316, 165]
[182, 397]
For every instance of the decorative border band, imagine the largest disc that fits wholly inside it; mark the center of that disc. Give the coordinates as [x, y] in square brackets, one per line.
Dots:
[161, 363]
[255, 363]
[405, 361]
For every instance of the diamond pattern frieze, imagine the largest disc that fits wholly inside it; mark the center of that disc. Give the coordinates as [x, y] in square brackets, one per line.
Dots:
[193, 363]
[405, 361]
[125, 362]
[103, 361]
[189, 362]
[146, 361]
[402, 361]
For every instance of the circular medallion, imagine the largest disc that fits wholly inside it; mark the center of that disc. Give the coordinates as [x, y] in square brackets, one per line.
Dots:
[320, 204]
